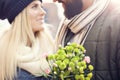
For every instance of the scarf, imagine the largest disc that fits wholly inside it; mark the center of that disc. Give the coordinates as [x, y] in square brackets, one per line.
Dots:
[81, 24]
[32, 59]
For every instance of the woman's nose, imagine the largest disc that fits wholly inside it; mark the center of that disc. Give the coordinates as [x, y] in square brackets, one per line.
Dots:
[54, 0]
[42, 11]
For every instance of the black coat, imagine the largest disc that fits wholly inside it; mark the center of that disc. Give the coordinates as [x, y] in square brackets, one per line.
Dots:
[103, 45]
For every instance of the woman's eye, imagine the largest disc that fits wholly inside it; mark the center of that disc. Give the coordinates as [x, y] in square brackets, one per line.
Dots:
[35, 6]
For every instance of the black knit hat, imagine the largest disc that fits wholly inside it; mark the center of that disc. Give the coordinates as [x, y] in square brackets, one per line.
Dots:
[11, 8]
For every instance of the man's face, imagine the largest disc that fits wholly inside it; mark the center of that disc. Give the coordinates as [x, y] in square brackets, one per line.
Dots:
[71, 7]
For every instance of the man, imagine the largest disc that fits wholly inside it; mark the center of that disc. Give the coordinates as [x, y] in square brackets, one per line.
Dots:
[96, 25]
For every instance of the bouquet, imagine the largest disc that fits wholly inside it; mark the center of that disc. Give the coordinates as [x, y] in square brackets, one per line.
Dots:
[70, 63]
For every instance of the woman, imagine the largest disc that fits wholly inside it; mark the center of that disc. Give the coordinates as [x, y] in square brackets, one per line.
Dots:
[23, 45]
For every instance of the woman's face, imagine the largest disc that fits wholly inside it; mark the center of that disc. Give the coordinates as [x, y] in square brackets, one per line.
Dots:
[36, 15]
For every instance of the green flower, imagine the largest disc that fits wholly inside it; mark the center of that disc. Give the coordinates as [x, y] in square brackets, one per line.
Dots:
[77, 77]
[81, 69]
[69, 48]
[61, 57]
[87, 78]
[82, 48]
[62, 66]
[51, 57]
[61, 51]
[82, 77]
[76, 50]
[58, 62]
[90, 67]
[74, 45]
[90, 75]
[66, 61]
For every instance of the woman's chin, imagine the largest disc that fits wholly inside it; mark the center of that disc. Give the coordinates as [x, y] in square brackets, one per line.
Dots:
[38, 29]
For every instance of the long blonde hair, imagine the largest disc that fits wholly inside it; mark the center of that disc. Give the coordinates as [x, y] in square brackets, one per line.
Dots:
[19, 32]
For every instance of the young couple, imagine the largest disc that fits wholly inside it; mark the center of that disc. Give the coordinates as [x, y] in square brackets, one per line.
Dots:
[92, 23]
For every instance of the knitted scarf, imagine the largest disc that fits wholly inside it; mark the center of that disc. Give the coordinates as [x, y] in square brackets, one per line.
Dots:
[80, 23]
[32, 59]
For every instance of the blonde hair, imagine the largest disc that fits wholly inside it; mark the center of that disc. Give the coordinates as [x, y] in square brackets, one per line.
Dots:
[19, 32]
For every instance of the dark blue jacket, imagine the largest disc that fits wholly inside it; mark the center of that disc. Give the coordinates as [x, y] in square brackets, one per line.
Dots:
[24, 75]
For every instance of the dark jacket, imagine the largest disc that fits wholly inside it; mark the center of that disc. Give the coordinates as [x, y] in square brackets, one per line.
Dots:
[103, 45]
[24, 75]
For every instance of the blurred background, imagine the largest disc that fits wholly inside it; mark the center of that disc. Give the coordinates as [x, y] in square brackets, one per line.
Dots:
[54, 15]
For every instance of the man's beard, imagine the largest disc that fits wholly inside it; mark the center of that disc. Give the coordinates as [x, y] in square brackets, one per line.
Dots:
[72, 9]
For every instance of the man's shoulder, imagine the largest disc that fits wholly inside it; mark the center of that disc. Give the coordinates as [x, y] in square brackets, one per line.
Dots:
[112, 12]
[114, 7]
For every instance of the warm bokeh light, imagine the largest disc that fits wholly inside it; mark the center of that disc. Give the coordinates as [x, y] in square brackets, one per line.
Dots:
[117, 1]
